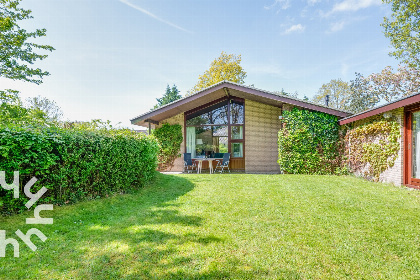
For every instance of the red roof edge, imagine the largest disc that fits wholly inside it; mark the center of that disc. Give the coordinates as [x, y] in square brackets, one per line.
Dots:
[382, 109]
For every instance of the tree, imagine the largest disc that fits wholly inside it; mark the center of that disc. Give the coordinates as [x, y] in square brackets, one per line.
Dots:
[12, 110]
[282, 92]
[356, 96]
[17, 50]
[361, 98]
[227, 67]
[171, 95]
[11, 106]
[403, 29]
[390, 86]
[338, 91]
[50, 108]
[364, 93]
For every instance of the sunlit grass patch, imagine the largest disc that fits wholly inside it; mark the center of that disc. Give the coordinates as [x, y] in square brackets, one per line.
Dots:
[235, 226]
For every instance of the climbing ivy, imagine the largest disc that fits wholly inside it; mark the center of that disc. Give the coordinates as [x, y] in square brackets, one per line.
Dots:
[170, 139]
[309, 143]
[373, 147]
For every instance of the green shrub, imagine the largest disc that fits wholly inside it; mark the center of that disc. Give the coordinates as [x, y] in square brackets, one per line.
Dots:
[170, 139]
[309, 143]
[74, 164]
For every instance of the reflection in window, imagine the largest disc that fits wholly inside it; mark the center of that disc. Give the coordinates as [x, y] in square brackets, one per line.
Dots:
[237, 112]
[207, 141]
[416, 145]
[237, 150]
[215, 114]
[237, 132]
[207, 131]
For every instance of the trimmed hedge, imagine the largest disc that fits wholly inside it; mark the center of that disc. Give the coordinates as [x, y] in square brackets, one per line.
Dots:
[309, 143]
[74, 164]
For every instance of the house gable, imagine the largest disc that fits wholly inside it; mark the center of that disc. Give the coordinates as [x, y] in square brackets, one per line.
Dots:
[226, 89]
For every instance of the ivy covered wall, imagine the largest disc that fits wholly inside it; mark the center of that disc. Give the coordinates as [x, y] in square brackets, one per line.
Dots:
[309, 143]
[374, 147]
[314, 143]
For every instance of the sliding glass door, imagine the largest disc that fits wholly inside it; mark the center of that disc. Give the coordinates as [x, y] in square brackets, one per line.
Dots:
[412, 148]
[415, 145]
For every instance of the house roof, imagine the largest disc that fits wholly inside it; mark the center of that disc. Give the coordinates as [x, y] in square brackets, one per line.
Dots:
[227, 88]
[405, 101]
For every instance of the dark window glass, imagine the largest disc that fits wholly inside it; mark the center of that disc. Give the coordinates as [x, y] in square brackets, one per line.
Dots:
[237, 112]
[215, 114]
[237, 150]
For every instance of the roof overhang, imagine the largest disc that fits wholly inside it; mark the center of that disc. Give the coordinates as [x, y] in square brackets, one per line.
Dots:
[405, 101]
[224, 89]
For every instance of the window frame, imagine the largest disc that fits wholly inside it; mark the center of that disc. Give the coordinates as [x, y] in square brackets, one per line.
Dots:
[229, 124]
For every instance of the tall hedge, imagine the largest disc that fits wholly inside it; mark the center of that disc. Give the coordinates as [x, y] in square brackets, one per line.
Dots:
[309, 143]
[74, 164]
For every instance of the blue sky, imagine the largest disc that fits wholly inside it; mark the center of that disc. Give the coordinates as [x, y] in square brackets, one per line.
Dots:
[114, 57]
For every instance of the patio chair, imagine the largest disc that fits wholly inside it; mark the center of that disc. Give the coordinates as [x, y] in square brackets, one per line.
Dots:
[188, 163]
[221, 166]
[218, 155]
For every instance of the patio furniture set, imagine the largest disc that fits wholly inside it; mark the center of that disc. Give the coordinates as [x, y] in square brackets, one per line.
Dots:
[196, 164]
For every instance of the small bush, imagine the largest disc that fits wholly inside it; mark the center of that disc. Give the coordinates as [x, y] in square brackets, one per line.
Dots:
[74, 164]
[170, 139]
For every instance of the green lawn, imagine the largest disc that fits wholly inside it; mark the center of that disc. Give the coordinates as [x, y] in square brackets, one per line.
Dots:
[230, 226]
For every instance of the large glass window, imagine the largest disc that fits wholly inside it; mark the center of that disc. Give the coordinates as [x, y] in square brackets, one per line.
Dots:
[207, 130]
[237, 112]
[211, 140]
[215, 114]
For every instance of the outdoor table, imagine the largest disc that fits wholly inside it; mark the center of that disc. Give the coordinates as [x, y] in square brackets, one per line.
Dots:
[200, 163]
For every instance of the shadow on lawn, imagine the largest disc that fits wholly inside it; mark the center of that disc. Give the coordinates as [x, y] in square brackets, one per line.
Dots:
[133, 236]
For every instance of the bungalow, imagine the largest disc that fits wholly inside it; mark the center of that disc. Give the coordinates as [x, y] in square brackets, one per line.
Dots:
[245, 121]
[229, 117]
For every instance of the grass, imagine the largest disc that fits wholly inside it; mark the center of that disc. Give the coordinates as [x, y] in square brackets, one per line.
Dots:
[236, 226]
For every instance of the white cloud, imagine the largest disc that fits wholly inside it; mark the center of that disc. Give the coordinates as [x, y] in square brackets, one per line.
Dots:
[313, 2]
[337, 26]
[295, 28]
[146, 12]
[354, 5]
[284, 4]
